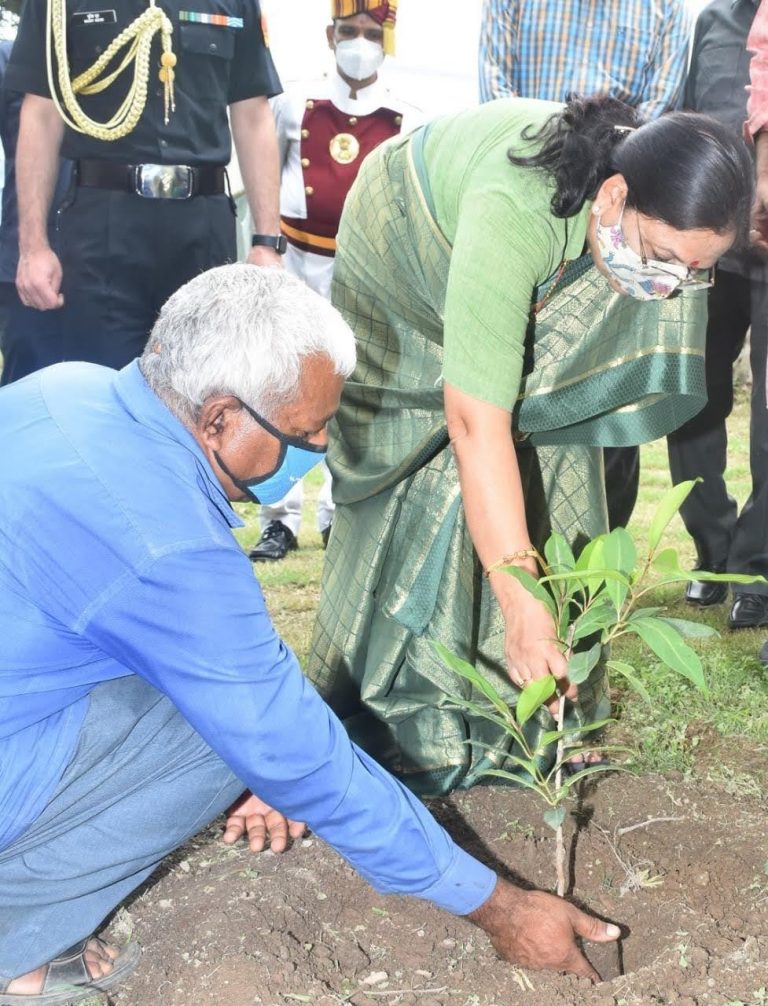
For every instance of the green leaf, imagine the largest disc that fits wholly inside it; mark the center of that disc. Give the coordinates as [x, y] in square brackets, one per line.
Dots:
[554, 817]
[639, 613]
[533, 586]
[628, 673]
[619, 551]
[667, 560]
[469, 673]
[666, 510]
[598, 616]
[668, 646]
[558, 554]
[581, 664]
[551, 736]
[689, 629]
[533, 696]
[620, 554]
[591, 557]
[519, 780]
[575, 779]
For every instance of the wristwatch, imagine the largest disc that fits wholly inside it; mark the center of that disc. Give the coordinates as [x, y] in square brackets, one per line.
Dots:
[276, 241]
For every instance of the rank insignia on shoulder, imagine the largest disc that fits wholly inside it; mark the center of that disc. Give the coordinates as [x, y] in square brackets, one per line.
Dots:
[223, 20]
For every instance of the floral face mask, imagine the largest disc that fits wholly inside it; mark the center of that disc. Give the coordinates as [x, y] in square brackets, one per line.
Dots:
[641, 277]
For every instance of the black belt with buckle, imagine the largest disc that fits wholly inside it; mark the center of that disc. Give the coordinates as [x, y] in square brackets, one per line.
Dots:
[153, 181]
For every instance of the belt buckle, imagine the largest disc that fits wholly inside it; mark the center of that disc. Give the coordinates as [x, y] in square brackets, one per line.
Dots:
[163, 181]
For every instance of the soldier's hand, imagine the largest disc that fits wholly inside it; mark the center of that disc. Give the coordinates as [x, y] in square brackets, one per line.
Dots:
[38, 280]
[264, 255]
[538, 930]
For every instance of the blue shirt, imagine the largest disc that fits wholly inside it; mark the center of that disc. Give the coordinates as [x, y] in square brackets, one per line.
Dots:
[118, 558]
[634, 50]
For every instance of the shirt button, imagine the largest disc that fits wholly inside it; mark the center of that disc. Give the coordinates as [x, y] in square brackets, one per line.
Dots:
[310, 104]
[304, 134]
[163, 143]
[309, 190]
[305, 162]
[213, 47]
[353, 120]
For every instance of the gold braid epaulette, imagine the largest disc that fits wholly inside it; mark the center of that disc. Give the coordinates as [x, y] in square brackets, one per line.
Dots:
[138, 36]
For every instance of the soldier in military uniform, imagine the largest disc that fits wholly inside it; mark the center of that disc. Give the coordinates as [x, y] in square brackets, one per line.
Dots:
[325, 129]
[150, 207]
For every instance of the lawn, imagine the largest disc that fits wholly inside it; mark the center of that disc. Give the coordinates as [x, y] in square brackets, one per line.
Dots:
[723, 735]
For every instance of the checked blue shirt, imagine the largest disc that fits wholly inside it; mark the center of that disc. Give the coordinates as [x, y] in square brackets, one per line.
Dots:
[116, 558]
[634, 50]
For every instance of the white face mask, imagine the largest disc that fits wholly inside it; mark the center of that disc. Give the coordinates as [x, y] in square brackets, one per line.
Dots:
[359, 59]
[643, 279]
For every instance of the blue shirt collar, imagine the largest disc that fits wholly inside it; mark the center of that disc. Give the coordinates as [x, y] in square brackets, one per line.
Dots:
[140, 402]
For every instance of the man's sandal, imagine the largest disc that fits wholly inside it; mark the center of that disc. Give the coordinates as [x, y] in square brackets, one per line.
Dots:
[68, 980]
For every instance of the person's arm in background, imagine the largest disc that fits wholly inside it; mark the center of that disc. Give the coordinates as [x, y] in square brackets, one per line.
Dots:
[757, 117]
[664, 86]
[41, 130]
[497, 48]
[253, 130]
[281, 113]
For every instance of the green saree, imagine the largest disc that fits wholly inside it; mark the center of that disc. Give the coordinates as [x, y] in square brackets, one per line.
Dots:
[401, 571]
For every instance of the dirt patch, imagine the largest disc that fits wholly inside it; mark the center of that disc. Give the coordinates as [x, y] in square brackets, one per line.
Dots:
[220, 925]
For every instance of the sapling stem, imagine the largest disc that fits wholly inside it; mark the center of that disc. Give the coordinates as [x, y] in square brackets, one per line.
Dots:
[559, 836]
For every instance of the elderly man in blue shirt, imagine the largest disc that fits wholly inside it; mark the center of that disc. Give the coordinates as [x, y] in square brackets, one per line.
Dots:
[142, 685]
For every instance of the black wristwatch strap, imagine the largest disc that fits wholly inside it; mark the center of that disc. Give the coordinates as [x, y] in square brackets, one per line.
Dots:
[276, 241]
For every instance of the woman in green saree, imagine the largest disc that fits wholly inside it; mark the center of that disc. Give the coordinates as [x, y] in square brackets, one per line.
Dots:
[508, 273]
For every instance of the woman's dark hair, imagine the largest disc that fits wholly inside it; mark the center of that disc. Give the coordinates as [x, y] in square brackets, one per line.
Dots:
[688, 170]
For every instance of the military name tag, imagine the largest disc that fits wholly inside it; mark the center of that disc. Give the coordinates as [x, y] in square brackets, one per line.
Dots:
[344, 148]
[94, 17]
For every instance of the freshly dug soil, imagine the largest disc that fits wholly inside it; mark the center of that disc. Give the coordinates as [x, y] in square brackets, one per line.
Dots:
[220, 925]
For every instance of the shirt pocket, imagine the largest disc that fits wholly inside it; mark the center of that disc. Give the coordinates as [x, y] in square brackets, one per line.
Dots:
[205, 57]
[86, 42]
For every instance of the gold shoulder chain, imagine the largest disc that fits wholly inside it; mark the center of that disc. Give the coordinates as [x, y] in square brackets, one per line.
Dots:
[138, 39]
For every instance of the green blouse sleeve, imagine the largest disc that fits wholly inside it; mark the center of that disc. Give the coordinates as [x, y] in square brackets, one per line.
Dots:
[502, 250]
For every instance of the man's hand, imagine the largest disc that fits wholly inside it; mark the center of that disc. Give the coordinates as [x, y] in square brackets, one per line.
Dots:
[538, 930]
[264, 255]
[255, 819]
[38, 280]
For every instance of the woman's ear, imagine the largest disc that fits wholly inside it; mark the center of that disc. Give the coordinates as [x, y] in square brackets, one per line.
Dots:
[610, 199]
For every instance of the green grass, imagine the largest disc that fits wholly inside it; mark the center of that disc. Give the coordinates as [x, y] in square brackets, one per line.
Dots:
[724, 735]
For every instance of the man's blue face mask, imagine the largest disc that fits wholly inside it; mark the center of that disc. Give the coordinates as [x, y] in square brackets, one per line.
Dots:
[295, 459]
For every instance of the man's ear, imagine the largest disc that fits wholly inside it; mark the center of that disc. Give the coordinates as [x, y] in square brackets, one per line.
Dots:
[218, 419]
[329, 34]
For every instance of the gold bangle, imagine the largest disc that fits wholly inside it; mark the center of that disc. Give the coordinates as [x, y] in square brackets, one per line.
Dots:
[507, 560]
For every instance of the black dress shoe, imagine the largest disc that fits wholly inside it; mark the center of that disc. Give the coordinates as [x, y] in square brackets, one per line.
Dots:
[704, 592]
[275, 543]
[749, 611]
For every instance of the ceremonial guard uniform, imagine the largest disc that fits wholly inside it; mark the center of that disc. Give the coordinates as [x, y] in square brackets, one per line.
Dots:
[323, 136]
[324, 132]
[150, 210]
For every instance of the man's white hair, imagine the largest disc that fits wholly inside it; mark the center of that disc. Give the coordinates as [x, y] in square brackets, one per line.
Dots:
[245, 331]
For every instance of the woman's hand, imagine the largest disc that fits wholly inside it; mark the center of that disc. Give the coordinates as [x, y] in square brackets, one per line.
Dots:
[530, 649]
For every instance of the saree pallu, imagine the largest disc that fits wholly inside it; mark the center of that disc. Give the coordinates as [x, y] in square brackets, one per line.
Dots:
[401, 570]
